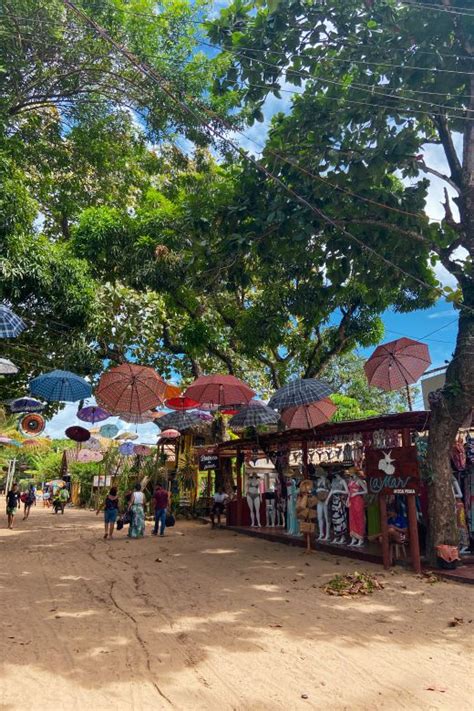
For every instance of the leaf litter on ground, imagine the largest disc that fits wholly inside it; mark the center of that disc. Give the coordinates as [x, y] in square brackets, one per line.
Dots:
[355, 584]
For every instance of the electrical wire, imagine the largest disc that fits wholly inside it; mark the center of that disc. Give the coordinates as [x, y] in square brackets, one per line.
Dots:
[434, 8]
[154, 76]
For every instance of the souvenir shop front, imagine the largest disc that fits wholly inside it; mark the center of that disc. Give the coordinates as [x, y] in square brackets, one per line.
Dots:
[355, 486]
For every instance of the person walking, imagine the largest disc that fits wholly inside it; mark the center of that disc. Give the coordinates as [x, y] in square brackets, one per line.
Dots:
[110, 507]
[13, 503]
[160, 504]
[137, 510]
[29, 501]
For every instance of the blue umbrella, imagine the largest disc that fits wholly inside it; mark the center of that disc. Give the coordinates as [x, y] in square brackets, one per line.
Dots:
[25, 404]
[109, 431]
[60, 386]
[11, 325]
[127, 448]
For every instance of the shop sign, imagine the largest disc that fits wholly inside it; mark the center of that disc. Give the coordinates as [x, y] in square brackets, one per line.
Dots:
[102, 480]
[392, 471]
[208, 462]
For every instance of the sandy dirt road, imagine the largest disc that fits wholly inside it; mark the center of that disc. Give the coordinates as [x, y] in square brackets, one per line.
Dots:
[222, 622]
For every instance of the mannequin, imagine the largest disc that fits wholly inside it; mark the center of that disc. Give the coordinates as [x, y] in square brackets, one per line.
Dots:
[253, 498]
[322, 493]
[357, 489]
[293, 528]
[464, 542]
[337, 501]
[270, 504]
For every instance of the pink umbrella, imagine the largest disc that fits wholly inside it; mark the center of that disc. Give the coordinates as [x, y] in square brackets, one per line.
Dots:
[84, 456]
[130, 388]
[397, 364]
[220, 390]
[142, 450]
[169, 434]
[306, 417]
[93, 443]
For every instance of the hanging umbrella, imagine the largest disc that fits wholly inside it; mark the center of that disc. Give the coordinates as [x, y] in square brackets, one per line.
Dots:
[7, 367]
[88, 455]
[31, 424]
[127, 435]
[9, 442]
[109, 431]
[299, 392]
[220, 390]
[25, 404]
[254, 414]
[305, 417]
[60, 386]
[181, 403]
[126, 448]
[204, 416]
[77, 433]
[32, 443]
[169, 434]
[93, 414]
[130, 388]
[171, 391]
[178, 421]
[145, 417]
[93, 443]
[11, 325]
[397, 364]
[142, 450]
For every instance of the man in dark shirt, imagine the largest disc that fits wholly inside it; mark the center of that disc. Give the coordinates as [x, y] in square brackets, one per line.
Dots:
[13, 503]
[160, 503]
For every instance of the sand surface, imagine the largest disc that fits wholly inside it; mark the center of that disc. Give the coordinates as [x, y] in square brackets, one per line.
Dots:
[222, 622]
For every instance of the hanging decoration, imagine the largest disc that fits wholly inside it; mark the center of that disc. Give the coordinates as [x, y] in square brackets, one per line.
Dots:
[109, 431]
[127, 449]
[77, 433]
[130, 388]
[60, 386]
[31, 425]
[85, 456]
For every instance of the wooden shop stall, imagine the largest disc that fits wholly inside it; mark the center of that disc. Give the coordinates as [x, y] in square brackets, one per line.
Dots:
[382, 449]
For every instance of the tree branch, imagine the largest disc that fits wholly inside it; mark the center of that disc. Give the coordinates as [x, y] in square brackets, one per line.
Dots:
[449, 150]
[391, 226]
[426, 169]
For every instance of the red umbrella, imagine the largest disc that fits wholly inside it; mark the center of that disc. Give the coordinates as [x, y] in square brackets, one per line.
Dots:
[78, 434]
[181, 403]
[305, 417]
[396, 364]
[220, 390]
[130, 388]
[142, 450]
[169, 434]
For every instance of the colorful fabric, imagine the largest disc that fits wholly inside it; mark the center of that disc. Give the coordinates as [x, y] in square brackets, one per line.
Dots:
[339, 515]
[356, 511]
[137, 526]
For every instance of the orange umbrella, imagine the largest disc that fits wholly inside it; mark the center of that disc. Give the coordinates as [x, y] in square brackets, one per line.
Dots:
[130, 388]
[171, 391]
[306, 417]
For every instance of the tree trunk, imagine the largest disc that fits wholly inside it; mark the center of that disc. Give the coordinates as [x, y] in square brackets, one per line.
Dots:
[450, 409]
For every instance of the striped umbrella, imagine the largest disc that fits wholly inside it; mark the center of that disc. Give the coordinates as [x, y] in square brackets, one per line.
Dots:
[254, 414]
[60, 386]
[11, 325]
[306, 417]
[7, 367]
[299, 392]
[397, 364]
[130, 388]
[142, 419]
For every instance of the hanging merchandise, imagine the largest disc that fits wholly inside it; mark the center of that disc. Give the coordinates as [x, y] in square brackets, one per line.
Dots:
[31, 425]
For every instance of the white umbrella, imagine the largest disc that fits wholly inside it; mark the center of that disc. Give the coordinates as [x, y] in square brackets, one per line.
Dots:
[7, 367]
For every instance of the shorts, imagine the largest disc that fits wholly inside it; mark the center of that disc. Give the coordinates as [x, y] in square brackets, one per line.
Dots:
[11, 510]
[218, 508]
[110, 515]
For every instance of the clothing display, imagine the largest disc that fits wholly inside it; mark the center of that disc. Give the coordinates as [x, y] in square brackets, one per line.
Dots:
[357, 489]
[339, 515]
[293, 527]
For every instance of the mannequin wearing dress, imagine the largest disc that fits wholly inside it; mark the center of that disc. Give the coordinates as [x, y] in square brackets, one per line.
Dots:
[253, 499]
[293, 528]
[464, 542]
[357, 489]
[322, 493]
[337, 503]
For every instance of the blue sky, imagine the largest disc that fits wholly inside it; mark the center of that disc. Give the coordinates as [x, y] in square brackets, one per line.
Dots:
[436, 326]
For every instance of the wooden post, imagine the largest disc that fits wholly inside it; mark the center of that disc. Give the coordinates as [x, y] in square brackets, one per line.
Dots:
[384, 531]
[304, 448]
[413, 532]
[239, 487]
